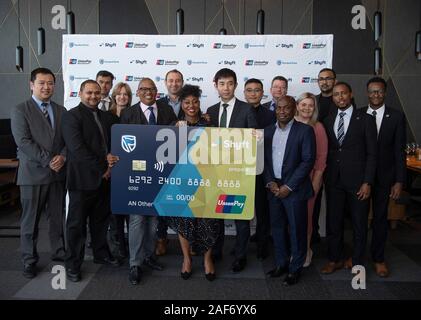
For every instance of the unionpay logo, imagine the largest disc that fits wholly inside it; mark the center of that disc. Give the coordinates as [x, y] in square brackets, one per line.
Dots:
[230, 204]
[73, 61]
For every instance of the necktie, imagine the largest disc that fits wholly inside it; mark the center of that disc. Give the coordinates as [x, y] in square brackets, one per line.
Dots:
[101, 130]
[374, 113]
[103, 105]
[152, 119]
[45, 112]
[223, 121]
[272, 106]
[341, 131]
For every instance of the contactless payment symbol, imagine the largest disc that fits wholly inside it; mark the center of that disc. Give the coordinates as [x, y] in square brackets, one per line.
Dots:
[128, 143]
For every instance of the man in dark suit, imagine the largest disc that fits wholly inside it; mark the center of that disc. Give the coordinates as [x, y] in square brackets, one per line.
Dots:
[326, 80]
[86, 131]
[351, 167]
[290, 152]
[232, 113]
[391, 166]
[278, 90]
[36, 128]
[253, 93]
[174, 82]
[105, 80]
[142, 229]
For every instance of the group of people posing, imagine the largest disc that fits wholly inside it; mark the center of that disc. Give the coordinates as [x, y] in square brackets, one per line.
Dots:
[311, 142]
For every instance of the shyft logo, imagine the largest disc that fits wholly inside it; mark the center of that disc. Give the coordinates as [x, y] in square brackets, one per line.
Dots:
[285, 45]
[226, 62]
[108, 45]
[230, 204]
[196, 45]
[139, 61]
[195, 79]
[318, 62]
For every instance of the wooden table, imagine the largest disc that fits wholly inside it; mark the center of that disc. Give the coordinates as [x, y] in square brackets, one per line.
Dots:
[9, 163]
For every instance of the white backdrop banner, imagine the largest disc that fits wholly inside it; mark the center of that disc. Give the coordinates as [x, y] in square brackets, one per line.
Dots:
[132, 57]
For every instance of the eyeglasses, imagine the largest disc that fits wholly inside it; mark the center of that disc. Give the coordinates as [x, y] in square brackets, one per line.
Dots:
[144, 90]
[253, 90]
[325, 79]
[373, 92]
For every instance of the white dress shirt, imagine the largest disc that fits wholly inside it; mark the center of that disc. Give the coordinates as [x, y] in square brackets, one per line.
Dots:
[147, 112]
[230, 108]
[379, 115]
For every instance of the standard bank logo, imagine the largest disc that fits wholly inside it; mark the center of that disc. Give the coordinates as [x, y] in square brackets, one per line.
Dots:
[230, 204]
[128, 143]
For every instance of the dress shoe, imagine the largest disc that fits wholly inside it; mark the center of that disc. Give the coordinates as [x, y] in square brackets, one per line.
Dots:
[348, 263]
[381, 269]
[308, 258]
[135, 275]
[161, 247]
[210, 276]
[239, 265]
[186, 275]
[331, 267]
[29, 271]
[73, 275]
[108, 260]
[154, 265]
[291, 279]
[277, 272]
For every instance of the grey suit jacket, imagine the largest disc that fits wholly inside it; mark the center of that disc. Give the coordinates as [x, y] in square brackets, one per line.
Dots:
[37, 143]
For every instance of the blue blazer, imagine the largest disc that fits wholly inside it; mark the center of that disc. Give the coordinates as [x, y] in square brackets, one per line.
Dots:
[300, 154]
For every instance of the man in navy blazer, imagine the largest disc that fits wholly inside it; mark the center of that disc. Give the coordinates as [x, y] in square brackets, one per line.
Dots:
[290, 148]
[232, 113]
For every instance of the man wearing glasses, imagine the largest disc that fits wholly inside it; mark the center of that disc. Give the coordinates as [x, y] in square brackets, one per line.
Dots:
[142, 229]
[278, 90]
[326, 81]
[253, 93]
[391, 168]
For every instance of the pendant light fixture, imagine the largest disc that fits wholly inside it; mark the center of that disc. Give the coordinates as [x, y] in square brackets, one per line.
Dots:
[40, 33]
[19, 49]
[180, 20]
[223, 31]
[260, 25]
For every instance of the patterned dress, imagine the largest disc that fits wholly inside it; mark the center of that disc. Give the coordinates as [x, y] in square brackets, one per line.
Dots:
[201, 233]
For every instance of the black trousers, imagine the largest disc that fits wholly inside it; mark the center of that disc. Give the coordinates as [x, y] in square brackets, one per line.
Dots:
[94, 204]
[339, 200]
[241, 240]
[380, 201]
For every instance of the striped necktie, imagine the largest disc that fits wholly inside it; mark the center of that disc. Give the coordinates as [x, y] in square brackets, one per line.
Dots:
[341, 127]
[44, 110]
[152, 119]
